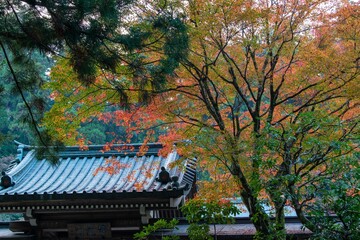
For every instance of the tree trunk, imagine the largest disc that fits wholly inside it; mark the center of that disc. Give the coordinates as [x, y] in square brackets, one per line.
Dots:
[280, 220]
[298, 209]
[256, 212]
[257, 215]
[249, 196]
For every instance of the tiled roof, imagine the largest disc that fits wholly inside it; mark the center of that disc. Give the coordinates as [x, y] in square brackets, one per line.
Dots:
[74, 175]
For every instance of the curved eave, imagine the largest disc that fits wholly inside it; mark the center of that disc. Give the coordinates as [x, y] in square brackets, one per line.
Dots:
[38, 183]
[117, 196]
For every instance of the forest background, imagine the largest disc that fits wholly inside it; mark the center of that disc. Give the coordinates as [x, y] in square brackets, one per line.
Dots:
[264, 92]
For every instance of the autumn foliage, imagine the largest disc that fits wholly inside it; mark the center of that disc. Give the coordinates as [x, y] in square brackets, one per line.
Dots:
[267, 99]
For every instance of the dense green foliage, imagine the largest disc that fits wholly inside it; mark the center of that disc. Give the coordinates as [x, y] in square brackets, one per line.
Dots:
[158, 225]
[14, 117]
[336, 212]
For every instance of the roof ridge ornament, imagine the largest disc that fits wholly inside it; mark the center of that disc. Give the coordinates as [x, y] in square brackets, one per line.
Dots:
[20, 150]
[6, 180]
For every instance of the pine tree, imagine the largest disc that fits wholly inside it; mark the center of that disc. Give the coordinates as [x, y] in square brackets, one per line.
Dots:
[94, 36]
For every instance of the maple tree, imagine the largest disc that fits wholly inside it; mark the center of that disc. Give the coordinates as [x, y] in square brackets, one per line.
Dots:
[271, 102]
[267, 97]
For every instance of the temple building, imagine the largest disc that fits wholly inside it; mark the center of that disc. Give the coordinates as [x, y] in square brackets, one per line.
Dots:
[75, 199]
